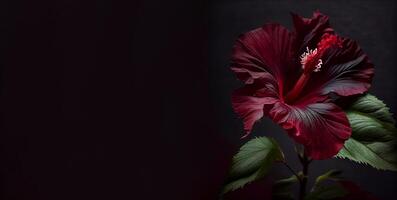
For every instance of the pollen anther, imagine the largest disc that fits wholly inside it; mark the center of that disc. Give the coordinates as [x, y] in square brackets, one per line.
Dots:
[318, 66]
[311, 59]
[308, 57]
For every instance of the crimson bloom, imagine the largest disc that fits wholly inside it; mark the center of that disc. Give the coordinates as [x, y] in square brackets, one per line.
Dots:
[292, 77]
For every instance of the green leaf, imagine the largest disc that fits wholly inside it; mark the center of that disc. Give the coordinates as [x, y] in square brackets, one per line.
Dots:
[374, 137]
[374, 107]
[252, 162]
[327, 192]
[282, 188]
[329, 175]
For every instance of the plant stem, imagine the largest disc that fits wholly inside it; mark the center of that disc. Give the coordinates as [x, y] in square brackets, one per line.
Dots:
[305, 168]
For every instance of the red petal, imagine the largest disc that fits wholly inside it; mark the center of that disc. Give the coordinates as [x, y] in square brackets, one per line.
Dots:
[264, 50]
[346, 71]
[321, 127]
[310, 30]
[251, 101]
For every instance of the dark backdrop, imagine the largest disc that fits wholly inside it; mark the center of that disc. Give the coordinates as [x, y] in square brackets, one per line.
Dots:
[131, 100]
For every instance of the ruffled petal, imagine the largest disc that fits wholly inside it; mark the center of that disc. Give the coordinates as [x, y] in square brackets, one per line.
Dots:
[346, 71]
[309, 30]
[253, 100]
[264, 50]
[321, 127]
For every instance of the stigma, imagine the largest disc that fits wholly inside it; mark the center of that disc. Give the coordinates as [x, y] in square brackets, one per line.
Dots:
[311, 59]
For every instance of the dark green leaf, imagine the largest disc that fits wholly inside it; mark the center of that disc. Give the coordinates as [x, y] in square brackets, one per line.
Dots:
[327, 192]
[355, 192]
[252, 162]
[374, 107]
[374, 137]
[330, 175]
[282, 188]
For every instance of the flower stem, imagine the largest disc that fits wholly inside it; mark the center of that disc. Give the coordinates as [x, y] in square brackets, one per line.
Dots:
[305, 168]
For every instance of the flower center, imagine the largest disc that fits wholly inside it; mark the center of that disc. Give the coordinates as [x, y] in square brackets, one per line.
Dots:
[311, 59]
[311, 62]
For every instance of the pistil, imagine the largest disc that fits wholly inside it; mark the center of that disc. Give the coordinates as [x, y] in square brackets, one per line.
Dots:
[300, 84]
[311, 62]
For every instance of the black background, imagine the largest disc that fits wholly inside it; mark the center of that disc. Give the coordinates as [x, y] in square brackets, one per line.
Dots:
[131, 100]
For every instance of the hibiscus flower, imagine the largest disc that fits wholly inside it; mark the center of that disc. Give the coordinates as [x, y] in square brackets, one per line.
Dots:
[293, 77]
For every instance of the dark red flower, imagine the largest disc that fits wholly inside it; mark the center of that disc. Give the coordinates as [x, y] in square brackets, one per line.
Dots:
[289, 77]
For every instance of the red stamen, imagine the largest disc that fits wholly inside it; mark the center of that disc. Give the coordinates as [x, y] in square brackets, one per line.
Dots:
[311, 61]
